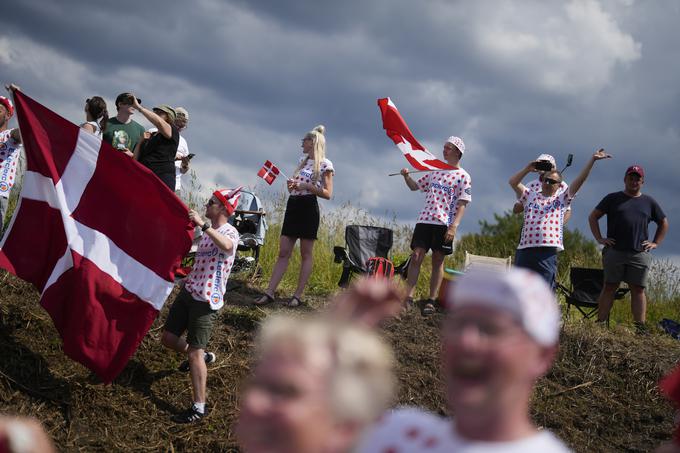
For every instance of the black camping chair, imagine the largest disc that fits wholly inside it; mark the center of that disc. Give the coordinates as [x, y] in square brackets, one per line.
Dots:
[361, 243]
[586, 286]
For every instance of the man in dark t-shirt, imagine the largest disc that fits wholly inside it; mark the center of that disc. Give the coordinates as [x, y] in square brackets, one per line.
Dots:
[626, 254]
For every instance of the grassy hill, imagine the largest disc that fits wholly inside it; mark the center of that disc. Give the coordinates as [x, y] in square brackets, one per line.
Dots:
[601, 394]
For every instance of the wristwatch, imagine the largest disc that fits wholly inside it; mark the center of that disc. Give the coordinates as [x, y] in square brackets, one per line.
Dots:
[205, 226]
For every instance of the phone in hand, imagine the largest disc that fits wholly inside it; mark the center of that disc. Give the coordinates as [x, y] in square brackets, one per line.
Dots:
[543, 165]
[190, 156]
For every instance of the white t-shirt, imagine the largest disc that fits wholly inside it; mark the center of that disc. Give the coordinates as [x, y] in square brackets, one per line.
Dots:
[9, 161]
[97, 129]
[306, 172]
[207, 280]
[536, 186]
[543, 219]
[409, 430]
[182, 151]
[443, 191]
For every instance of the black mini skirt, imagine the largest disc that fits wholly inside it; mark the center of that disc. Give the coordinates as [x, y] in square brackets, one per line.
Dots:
[302, 217]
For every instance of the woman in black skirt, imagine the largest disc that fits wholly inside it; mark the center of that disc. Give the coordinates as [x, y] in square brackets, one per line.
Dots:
[313, 178]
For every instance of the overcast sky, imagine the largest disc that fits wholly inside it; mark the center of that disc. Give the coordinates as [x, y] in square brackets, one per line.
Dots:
[512, 78]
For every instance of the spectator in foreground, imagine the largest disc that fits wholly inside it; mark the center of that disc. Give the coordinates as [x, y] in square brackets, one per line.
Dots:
[318, 383]
[122, 132]
[544, 211]
[195, 308]
[23, 435]
[500, 336]
[96, 116]
[626, 254]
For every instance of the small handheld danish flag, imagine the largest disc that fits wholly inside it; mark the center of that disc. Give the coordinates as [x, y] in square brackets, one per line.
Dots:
[269, 172]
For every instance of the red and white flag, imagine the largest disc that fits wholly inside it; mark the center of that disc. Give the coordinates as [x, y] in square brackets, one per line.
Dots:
[97, 234]
[269, 172]
[397, 130]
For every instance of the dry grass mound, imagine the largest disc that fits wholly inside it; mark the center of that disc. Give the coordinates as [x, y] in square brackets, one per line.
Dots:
[600, 396]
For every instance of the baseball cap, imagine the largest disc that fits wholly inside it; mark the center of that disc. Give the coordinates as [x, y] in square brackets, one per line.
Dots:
[457, 142]
[635, 169]
[181, 111]
[521, 292]
[547, 157]
[8, 105]
[167, 109]
[229, 198]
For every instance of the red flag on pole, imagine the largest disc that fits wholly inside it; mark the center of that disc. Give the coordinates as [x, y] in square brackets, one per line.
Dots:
[397, 130]
[97, 234]
[268, 172]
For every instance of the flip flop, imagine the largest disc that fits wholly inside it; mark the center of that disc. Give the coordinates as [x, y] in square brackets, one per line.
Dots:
[266, 299]
[294, 302]
[428, 308]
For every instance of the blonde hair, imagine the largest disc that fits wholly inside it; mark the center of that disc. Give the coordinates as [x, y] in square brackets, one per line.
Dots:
[318, 152]
[358, 365]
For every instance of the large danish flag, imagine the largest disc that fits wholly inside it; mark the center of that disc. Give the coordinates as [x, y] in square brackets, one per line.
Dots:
[97, 234]
[397, 130]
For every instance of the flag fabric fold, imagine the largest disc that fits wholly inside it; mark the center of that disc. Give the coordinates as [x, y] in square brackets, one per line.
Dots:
[97, 234]
[268, 172]
[397, 130]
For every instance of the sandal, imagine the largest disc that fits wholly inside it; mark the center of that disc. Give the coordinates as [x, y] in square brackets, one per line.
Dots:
[428, 308]
[266, 299]
[294, 302]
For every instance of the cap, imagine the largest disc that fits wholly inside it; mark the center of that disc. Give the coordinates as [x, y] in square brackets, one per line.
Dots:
[635, 169]
[167, 109]
[229, 198]
[457, 142]
[547, 157]
[181, 111]
[521, 292]
[8, 105]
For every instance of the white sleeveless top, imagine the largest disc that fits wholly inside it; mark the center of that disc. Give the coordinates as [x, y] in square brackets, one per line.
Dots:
[97, 130]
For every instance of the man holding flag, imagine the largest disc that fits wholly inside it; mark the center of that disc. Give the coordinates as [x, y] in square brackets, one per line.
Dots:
[10, 147]
[447, 193]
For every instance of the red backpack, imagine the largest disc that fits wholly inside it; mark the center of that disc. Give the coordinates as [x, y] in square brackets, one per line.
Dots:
[380, 267]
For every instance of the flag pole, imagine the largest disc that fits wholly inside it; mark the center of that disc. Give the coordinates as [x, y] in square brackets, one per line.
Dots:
[417, 171]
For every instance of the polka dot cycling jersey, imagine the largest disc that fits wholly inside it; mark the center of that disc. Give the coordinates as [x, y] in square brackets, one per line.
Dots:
[443, 189]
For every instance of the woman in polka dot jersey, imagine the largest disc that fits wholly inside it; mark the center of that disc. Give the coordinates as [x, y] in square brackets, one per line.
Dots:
[541, 237]
[313, 178]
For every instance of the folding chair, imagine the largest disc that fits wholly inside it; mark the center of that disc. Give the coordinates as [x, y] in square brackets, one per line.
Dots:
[486, 262]
[586, 286]
[361, 243]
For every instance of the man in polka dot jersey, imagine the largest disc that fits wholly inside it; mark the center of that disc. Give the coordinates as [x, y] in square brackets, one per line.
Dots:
[500, 336]
[544, 211]
[447, 193]
[195, 308]
[10, 147]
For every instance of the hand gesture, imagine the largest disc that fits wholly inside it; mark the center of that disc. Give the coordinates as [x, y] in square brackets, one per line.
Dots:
[12, 88]
[292, 185]
[600, 154]
[195, 218]
[450, 234]
[608, 242]
[369, 301]
[404, 172]
[135, 102]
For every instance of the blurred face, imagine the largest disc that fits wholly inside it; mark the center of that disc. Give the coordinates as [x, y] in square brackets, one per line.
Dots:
[550, 182]
[213, 208]
[308, 145]
[451, 152]
[285, 407]
[124, 107]
[4, 115]
[181, 122]
[633, 182]
[490, 363]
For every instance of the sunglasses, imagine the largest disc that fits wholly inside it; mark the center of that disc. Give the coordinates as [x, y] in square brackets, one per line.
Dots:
[211, 202]
[550, 181]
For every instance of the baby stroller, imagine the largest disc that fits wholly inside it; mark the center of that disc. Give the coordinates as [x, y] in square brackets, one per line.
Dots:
[249, 220]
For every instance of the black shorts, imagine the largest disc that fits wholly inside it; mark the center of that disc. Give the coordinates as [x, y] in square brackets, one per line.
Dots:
[430, 236]
[302, 217]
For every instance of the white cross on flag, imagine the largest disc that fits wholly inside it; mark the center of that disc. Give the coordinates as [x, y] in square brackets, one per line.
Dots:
[97, 234]
[397, 130]
[268, 172]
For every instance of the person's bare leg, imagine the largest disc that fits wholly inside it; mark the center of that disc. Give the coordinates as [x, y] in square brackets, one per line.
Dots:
[414, 269]
[286, 245]
[172, 341]
[638, 303]
[437, 273]
[605, 301]
[199, 373]
[306, 264]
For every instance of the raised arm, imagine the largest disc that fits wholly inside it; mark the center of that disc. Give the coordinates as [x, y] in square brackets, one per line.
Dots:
[163, 128]
[581, 178]
[410, 182]
[515, 180]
